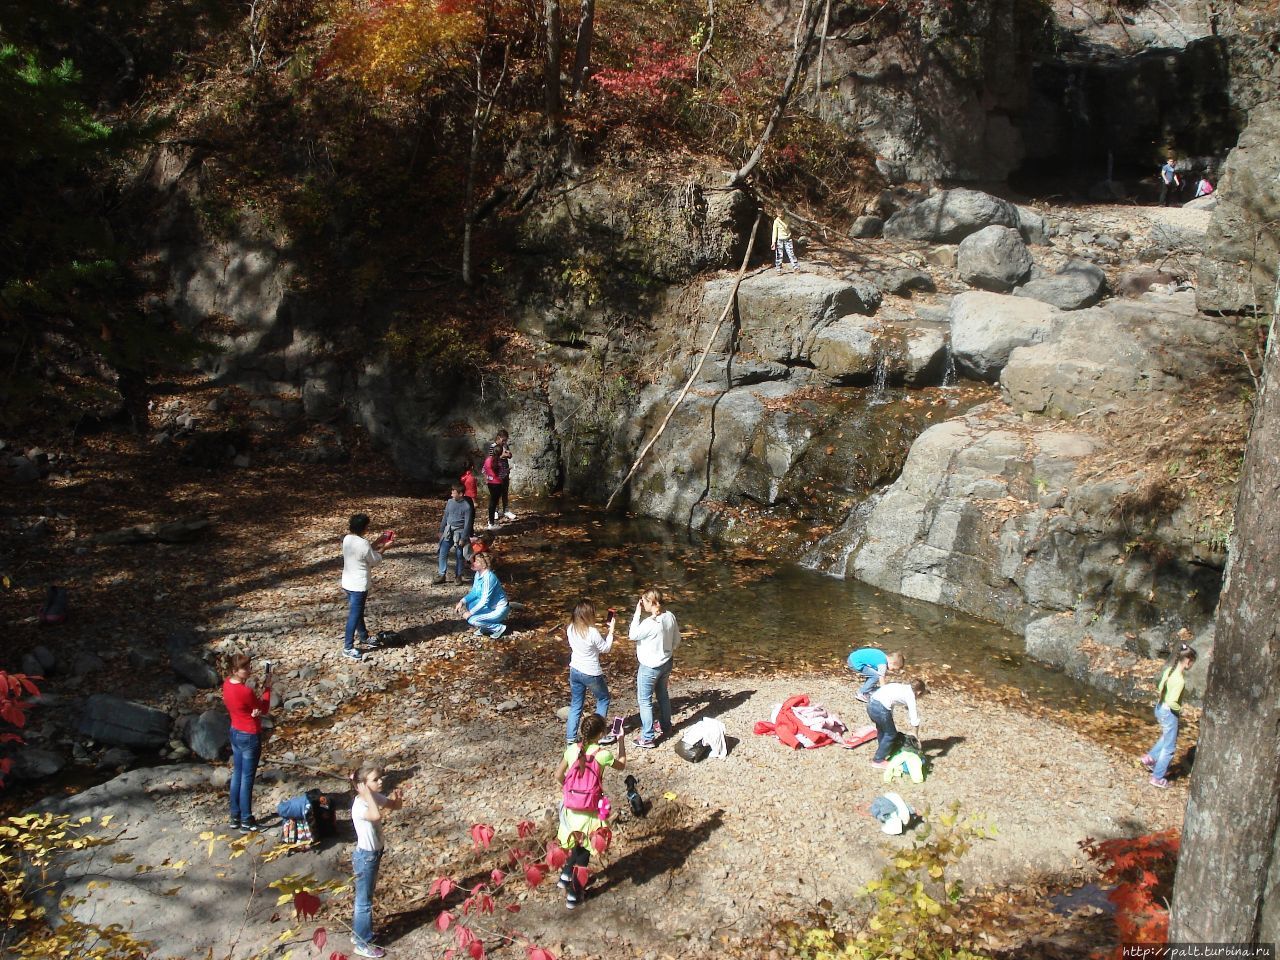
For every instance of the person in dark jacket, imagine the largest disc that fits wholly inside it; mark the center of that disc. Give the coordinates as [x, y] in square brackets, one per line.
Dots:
[455, 532]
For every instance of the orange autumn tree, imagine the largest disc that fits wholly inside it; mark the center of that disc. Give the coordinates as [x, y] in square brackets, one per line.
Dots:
[430, 48]
[387, 45]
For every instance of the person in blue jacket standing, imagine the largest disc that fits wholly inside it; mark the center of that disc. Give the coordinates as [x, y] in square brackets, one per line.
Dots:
[872, 664]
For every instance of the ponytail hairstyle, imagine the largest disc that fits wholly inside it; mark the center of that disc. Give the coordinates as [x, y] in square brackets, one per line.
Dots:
[362, 773]
[1183, 651]
[589, 731]
[584, 617]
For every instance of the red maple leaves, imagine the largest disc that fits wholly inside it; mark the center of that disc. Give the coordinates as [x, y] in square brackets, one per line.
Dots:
[1141, 868]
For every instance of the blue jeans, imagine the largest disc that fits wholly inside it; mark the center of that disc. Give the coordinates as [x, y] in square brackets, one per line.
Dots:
[871, 680]
[882, 717]
[364, 863]
[446, 542]
[579, 684]
[355, 618]
[650, 681]
[1162, 752]
[245, 750]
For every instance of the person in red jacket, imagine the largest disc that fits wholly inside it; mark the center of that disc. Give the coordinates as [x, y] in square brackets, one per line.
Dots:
[246, 706]
[468, 481]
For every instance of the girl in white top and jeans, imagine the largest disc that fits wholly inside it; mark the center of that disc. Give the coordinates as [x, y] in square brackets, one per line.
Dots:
[880, 712]
[585, 672]
[366, 817]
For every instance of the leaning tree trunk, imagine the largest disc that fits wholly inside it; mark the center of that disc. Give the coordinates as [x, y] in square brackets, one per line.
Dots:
[1226, 888]
[582, 49]
[809, 23]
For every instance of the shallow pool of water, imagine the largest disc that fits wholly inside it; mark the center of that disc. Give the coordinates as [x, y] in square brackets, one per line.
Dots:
[742, 610]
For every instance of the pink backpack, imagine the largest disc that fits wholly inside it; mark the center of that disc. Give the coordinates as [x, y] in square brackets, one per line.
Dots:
[582, 787]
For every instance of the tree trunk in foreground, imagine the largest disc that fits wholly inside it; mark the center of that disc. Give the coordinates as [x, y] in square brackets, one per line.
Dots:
[1226, 887]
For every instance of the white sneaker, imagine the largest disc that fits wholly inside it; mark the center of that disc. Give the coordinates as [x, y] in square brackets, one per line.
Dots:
[493, 525]
[508, 515]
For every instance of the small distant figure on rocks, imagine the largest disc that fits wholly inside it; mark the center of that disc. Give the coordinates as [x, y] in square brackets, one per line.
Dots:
[497, 474]
[581, 777]
[455, 532]
[1203, 187]
[872, 663]
[782, 241]
[1168, 709]
[468, 480]
[585, 671]
[366, 858]
[1170, 183]
[485, 605]
[656, 635]
[358, 555]
[246, 707]
[880, 712]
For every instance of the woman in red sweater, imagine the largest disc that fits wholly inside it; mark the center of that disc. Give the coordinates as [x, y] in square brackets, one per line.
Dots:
[246, 706]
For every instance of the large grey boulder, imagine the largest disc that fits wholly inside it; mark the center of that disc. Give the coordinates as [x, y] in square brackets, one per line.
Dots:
[1075, 286]
[987, 327]
[1124, 352]
[994, 258]
[951, 215]
[34, 763]
[781, 314]
[866, 227]
[1242, 248]
[188, 665]
[209, 734]
[860, 350]
[114, 720]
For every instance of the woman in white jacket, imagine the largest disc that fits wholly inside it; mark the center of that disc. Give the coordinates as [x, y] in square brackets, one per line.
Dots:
[656, 635]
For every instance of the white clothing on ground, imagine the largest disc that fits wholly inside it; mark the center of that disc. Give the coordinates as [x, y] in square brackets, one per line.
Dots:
[710, 731]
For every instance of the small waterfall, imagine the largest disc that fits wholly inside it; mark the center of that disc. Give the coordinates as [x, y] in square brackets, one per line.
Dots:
[949, 367]
[880, 384]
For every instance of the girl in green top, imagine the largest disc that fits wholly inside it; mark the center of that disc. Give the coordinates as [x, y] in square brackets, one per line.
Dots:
[576, 826]
[1168, 707]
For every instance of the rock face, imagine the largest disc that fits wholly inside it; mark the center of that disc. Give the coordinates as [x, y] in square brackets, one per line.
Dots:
[671, 234]
[1074, 287]
[1121, 352]
[989, 517]
[951, 215]
[1238, 269]
[994, 258]
[781, 314]
[855, 350]
[121, 722]
[986, 327]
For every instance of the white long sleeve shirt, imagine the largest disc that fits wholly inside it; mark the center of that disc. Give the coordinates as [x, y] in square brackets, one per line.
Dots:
[358, 556]
[892, 694]
[656, 638]
[587, 648]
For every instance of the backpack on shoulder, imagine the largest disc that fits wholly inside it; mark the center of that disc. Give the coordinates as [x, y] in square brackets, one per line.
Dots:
[582, 785]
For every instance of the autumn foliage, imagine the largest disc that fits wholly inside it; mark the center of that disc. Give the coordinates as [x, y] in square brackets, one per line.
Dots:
[13, 712]
[1141, 869]
[385, 44]
[472, 909]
